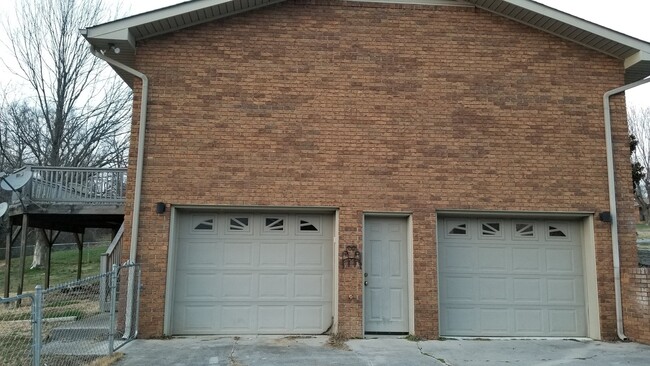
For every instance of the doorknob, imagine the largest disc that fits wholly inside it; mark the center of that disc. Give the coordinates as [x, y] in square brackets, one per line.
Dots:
[365, 283]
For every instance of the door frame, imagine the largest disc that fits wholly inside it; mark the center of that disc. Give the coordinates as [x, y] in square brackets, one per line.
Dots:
[174, 222]
[409, 266]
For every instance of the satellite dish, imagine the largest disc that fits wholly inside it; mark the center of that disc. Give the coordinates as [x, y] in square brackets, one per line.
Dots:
[16, 180]
[3, 208]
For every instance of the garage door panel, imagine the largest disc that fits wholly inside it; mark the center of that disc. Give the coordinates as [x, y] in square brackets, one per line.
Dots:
[458, 258]
[273, 318]
[511, 278]
[528, 290]
[273, 286]
[194, 255]
[309, 286]
[526, 260]
[563, 291]
[198, 286]
[529, 322]
[274, 255]
[253, 274]
[458, 289]
[309, 255]
[237, 254]
[237, 318]
[565, 321]
[493, 259]
[308, 318]
[461, 319]
[237, 286]
[494, 321]
[562, 261]
[493, 289]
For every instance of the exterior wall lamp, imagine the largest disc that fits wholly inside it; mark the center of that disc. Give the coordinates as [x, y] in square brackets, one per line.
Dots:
[160, 208]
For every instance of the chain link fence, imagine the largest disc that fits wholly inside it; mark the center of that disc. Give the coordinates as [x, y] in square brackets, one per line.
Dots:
[16, 330]
[71, 324]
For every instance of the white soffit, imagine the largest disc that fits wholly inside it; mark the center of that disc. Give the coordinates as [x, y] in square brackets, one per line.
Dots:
[124, 33]
[634, 52]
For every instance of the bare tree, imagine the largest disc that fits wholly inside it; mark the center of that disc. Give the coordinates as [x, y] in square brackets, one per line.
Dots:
[639, 125]
[70, 113]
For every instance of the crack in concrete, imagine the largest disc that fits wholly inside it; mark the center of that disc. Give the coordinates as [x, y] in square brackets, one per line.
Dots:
[233, 361]
[439, 359]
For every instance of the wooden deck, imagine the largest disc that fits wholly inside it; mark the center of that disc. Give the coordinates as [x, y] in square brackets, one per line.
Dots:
[71, 199]
[62, 199]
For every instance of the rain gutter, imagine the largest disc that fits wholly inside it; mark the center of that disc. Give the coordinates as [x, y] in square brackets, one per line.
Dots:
[612, 201]
[135, 224]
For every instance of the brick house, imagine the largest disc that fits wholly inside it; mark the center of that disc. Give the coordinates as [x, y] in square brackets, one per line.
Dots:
[437, 168]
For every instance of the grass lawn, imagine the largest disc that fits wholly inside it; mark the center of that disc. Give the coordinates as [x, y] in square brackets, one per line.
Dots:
[63, 268]
[643, 231]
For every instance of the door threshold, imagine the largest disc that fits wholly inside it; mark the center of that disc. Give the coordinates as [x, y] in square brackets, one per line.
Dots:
[385, 334]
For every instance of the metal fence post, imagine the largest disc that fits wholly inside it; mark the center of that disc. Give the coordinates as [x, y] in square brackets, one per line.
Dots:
[37, 319]
[111, 334]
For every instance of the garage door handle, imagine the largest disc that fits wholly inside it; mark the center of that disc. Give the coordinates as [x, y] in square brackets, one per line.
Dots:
[365, 283]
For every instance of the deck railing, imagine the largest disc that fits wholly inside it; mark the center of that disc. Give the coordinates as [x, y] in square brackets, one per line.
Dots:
[106, 261]
[76, 185]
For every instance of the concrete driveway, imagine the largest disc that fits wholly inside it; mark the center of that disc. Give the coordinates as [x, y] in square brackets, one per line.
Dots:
[318, 350]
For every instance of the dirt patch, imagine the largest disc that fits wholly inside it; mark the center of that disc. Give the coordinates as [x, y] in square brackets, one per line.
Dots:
[107, 360]
[337, 341]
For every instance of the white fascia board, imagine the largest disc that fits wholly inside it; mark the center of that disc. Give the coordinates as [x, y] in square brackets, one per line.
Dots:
[582, 24]
[152, 16]
[123, 36]
[636, 58]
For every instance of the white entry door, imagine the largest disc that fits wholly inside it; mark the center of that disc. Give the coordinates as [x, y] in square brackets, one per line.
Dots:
[385, 275]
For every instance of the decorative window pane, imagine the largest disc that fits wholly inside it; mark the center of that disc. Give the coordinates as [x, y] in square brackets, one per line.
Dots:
[205, 225]
[238, 224]
[491, 229]
[274, 224]
[460, 229]
[525, 230]
[307, 226]
[555, 232]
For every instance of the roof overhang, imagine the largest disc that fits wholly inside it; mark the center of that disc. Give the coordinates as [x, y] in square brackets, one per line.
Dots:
[634, 52]
[124, 33]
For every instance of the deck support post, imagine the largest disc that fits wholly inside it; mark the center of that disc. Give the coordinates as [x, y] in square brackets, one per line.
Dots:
[11, 238]
[23, 250]
[50, 239]
[80, 245]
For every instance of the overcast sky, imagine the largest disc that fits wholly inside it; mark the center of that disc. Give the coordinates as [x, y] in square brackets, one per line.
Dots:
[626, 16]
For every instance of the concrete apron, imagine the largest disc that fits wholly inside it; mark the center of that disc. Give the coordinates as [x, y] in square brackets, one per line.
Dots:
[318, 350]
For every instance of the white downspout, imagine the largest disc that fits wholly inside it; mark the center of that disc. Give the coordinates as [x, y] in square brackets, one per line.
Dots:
[135, 223]
[612, 202]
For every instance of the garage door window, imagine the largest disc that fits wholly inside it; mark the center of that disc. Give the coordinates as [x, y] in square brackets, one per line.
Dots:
[239, 224]
[309, 225]
[202, 223]
[491, 230]
[456, 228]
[525, 230]
[274, 224]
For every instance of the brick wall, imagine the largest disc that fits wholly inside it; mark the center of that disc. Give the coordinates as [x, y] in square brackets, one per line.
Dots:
[371, 107]
[636, 304]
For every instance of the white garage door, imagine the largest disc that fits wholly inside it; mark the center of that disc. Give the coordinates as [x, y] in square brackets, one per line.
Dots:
[506, 277]
[252, 273]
